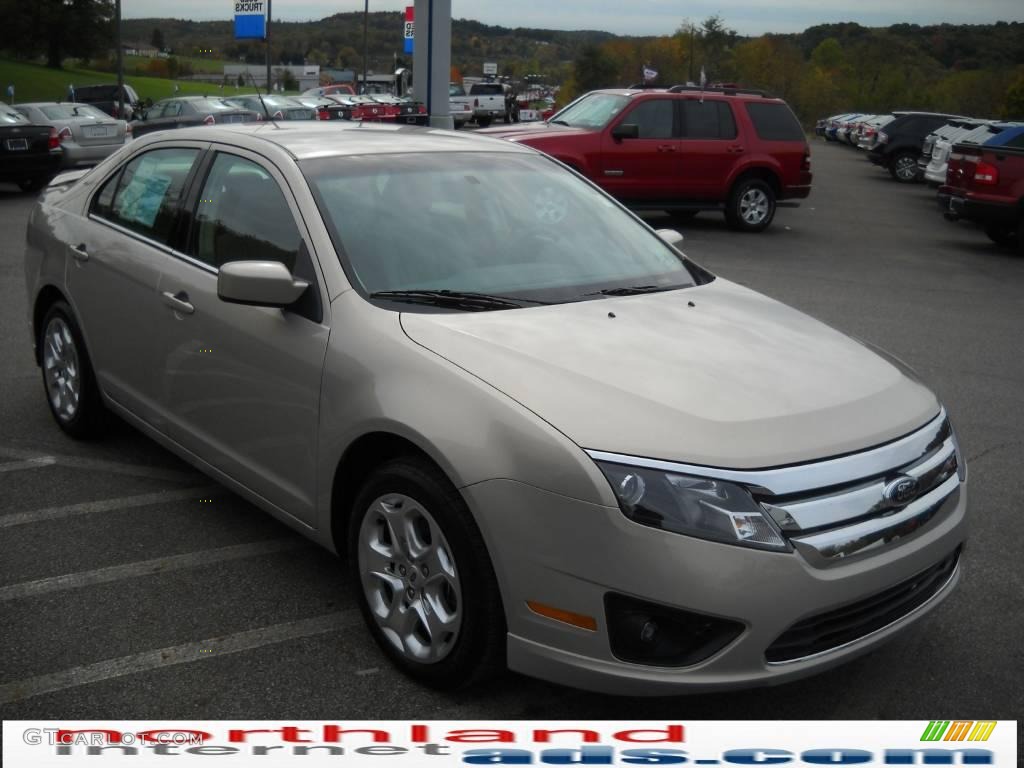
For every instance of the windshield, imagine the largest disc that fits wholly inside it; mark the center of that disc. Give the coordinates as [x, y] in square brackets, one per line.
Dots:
[593, 111]
[213, 105]
[502, 224]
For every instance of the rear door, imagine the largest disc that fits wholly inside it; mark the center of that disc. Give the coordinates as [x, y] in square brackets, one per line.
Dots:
[710, 148]
[114, 271]
[241, 384]
[644, 169]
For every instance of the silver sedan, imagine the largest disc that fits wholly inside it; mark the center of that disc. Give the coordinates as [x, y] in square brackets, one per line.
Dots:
[86, 134]
[540, 434]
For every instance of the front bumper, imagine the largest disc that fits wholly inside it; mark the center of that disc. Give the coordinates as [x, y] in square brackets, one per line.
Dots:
[570, 554]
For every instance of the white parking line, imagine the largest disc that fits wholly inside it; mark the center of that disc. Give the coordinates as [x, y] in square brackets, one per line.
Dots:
[41, 461]
[177, 654]
[106, 505]
[100, 465]
[148, 568]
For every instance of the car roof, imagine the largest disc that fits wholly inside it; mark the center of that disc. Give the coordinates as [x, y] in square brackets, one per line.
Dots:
[689, 93]
[303, 140]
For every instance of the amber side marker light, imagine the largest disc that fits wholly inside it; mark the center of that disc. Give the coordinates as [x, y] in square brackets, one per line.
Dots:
[566, 617]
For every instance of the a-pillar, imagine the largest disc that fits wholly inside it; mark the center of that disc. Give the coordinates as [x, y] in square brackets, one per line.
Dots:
[433, 59]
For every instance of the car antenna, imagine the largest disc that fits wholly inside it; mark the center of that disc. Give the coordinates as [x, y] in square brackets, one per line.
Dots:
[262, 102]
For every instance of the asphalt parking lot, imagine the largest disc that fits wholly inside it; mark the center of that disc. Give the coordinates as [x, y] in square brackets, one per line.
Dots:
[133, 587]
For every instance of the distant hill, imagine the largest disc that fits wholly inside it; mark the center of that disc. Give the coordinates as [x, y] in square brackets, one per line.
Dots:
[338, 41]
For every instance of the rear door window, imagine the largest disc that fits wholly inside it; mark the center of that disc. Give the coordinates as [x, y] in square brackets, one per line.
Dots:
[774, 121]
[710, 119]
[148, 193]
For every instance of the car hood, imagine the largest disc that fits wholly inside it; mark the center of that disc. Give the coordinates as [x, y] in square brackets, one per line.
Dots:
[716, 375]
[524, 131]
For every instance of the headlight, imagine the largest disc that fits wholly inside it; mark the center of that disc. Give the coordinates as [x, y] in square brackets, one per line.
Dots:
[694, 506]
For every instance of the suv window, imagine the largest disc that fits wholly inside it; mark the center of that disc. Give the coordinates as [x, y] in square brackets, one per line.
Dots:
[708, 120]
[149, 191]
[243, 216]
[654, 117]
[774, 121]
[485, 89]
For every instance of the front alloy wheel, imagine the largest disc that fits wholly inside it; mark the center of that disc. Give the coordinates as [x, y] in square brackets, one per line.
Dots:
[427, 588]
[409, 578]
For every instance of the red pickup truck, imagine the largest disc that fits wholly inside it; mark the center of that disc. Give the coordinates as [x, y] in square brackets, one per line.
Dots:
[682, 150]
[985, 184]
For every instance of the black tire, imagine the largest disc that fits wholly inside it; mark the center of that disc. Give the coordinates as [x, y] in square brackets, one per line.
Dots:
[32, 185]
[903, 167]
[747, 194]
[1002, 234]
[483, 122]
[479, 648]
[90, 418]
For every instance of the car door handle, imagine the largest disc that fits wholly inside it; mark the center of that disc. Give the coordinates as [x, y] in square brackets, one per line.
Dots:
[178, 302]
[666, 147]
[735, 149]
[80, 252]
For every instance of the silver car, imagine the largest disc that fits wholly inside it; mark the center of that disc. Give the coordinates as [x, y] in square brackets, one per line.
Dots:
[553, 442]
[86, 134]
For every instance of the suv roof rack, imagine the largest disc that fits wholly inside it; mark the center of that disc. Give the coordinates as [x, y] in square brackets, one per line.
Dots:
[726, 91]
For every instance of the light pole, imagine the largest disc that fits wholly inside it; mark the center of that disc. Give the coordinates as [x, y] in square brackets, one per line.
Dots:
[268, 46]
[120, 63]
[366, 41]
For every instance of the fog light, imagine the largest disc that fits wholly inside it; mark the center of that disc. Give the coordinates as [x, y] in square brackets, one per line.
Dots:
[647, 633]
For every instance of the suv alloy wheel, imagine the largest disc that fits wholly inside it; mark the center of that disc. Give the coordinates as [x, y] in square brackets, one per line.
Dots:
[751, 206]
[904, 168]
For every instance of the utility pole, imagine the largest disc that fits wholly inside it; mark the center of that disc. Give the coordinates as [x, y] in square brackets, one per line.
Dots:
[120, 63]
[268, 47]
[366, 41]
[691, 53]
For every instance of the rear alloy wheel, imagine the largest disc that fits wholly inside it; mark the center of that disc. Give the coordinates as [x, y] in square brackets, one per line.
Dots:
[904, 168]
[426, 585]
[68, 378]
[751, 206]
[1002, 234]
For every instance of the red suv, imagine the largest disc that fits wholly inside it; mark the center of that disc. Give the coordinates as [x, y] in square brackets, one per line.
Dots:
[682, 150]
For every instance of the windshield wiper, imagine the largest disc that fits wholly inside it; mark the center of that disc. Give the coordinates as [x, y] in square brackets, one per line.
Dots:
[632, 290]
[468, 300]
[559, 122]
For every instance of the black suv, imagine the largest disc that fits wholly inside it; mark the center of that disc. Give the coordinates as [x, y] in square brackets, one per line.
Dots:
[900, 142]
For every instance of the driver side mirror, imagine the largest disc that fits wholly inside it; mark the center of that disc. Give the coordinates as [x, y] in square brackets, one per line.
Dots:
[626, 131]
[259, 284]
[672, 237]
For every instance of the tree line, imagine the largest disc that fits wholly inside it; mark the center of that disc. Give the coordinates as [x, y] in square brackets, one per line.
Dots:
[973, 70]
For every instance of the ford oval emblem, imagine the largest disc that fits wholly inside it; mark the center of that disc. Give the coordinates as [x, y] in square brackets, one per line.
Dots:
[901, 491]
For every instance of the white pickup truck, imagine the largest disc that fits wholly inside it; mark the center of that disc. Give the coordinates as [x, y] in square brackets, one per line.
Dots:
[491, 100]
[460, 105]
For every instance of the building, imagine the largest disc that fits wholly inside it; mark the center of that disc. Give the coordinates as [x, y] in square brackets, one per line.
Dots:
[307, 75]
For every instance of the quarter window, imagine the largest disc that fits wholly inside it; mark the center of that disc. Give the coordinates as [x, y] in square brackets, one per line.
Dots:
[709, 119]
[148, 193]
[774, 121]
[242, 215]
[654, 118]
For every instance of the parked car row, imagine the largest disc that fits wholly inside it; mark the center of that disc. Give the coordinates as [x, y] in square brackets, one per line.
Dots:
[977, 163]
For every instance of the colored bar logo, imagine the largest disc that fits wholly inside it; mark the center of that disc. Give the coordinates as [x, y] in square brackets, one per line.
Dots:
[958, 730]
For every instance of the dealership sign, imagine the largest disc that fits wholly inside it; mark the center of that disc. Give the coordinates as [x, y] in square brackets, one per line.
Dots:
[409, 28]
[250, 19]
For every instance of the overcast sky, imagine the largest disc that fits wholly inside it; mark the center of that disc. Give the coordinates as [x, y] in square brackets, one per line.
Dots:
[631, 17]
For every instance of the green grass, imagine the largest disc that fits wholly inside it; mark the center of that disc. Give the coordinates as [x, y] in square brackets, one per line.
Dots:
[199, 65]
[35, 83]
